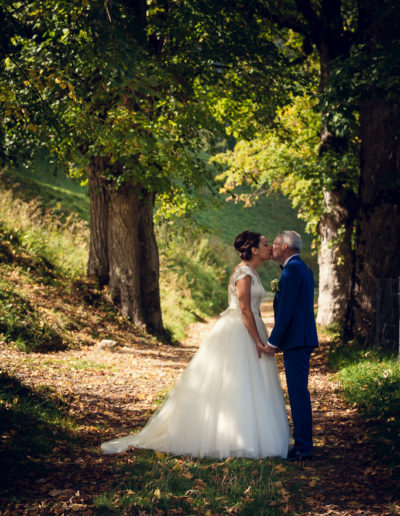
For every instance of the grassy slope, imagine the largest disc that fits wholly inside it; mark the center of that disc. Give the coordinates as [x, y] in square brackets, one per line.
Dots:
[54, 191]
[194, 268]
[370, 379]
[269, 216]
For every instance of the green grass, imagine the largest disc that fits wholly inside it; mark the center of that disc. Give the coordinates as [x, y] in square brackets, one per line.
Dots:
[20, 320]
[88, 365]
[370, 379]
[61, 244]
[32, 423]
[268, 216]
[194, 280]
[160, 484]
[60, 194]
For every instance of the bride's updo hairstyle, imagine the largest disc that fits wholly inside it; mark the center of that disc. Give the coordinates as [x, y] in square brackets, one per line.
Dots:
[244, 242]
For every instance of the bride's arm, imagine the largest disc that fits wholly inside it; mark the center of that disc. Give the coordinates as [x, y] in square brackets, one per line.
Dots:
[243, 289]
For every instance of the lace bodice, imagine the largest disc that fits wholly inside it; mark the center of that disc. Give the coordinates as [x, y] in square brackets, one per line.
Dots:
[257, 290]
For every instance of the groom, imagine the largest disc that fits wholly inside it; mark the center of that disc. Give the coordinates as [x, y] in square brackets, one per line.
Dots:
[295, 334]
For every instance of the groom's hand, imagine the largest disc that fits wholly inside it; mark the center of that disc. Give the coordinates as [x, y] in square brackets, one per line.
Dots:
[269, 350]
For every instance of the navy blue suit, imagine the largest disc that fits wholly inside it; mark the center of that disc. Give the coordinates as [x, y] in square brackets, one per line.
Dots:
[295, 334]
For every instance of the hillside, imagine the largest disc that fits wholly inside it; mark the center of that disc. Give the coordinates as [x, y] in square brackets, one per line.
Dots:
[194, 266]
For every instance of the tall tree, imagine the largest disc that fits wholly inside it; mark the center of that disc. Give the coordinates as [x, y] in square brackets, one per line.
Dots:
[320, 26]
[358, 49]
[95, 86]
[377, 65]
[116, 91]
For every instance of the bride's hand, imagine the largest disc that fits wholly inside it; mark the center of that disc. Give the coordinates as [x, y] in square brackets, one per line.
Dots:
[260, 349]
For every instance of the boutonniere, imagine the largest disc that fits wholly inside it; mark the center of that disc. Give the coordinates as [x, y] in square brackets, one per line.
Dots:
[275, 285]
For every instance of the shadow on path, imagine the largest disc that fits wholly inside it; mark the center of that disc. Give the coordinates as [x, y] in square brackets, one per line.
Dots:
[109, 393]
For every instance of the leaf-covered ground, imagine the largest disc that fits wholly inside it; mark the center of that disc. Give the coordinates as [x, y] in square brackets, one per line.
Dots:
[109, 392]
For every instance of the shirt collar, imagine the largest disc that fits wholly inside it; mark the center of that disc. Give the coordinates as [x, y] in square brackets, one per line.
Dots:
[288, 259]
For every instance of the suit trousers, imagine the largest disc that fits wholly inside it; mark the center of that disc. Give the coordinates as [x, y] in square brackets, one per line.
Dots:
[297, 366]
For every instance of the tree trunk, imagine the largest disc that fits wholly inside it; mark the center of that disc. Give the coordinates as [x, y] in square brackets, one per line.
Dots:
[378, 231]
[377, 240]
[123, 249]
[336, 225]
[125, 253]
[98, 266]
[335, 256]
[150, 266]
[322, 24]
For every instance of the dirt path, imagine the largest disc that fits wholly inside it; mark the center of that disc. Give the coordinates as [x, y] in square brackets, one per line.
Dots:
[344, 478]
[117, 388]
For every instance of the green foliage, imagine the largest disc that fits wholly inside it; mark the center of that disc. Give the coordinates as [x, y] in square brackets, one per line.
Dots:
[92, 80]
[370, 380]
[157, 482]
[286, 158]
[369, 67]
[31, 423]
[89, 84]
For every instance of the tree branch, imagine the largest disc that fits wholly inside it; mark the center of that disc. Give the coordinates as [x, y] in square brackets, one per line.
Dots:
[284, 21]
[304, 7]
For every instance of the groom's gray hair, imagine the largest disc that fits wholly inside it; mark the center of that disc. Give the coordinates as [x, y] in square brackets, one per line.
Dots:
[291, 238]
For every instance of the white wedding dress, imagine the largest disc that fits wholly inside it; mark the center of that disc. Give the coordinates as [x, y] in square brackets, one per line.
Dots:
[228, 402]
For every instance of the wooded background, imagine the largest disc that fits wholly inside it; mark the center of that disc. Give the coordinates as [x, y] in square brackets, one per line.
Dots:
[154, 103]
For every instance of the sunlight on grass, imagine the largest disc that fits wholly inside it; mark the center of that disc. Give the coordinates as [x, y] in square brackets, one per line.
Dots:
[268, 216]
[88, 364]
[57, 192]
[21, 323]
[155, 482]
[193, 280]
[370, 379]
[64, 244]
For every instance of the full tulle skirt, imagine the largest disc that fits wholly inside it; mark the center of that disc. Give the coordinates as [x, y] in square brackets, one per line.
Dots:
[227, 403]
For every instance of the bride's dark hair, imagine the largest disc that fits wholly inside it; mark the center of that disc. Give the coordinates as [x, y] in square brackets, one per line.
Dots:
[244, 242]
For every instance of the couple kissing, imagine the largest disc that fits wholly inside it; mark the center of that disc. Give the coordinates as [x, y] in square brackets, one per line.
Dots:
[229, 401]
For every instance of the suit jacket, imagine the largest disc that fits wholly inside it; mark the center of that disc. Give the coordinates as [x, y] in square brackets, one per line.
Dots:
[294, 308]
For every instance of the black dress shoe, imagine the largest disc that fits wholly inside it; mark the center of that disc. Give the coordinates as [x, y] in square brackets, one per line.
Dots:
[295, 455]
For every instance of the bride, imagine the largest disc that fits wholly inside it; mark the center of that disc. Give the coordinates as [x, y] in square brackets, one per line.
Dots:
[229, 401]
